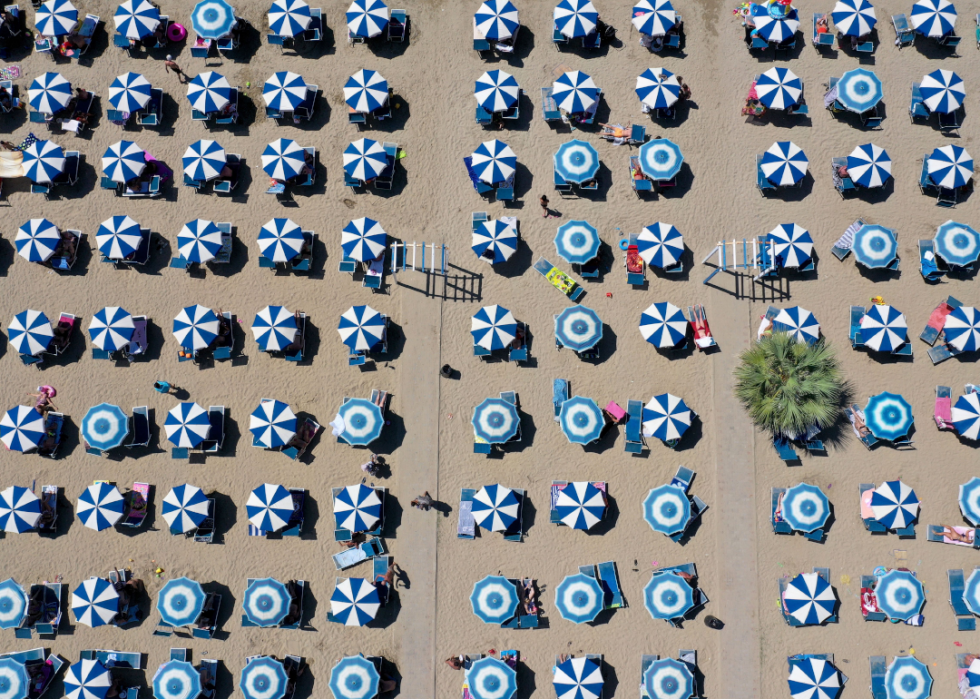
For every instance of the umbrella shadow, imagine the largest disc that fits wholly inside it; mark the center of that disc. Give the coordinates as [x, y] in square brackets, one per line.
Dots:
[523, 183]
[518, 263]
[315, 49]
[169, 114]
[84, 185]
[692, 435]
[606, 346]
[224, 681]
[797, 193]
[528, 432]
[605, 442]
[528, 514]
[225, 612]
[249, 42]
[609, 520]
[8, 254]
[225, 515]
[388, 614]
[66, 516]
[392, 435]
[686, 261]
[238, 260]
[401, 112]
[310, 605]
[304, 685]
[875, 195]
[526, 681]
[603, 178]
[878, 275]
[683, 182]
[393, 516]
[931, 48]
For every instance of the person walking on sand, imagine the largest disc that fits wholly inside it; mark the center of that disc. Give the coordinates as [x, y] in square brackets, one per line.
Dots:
[170, 66]
[545, 211]
[163, 387]
[423, 502]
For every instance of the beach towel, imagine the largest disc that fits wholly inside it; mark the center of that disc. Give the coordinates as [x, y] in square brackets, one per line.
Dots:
[938, 317]
[943, 413]
[847, 240]
[830, 97]
[866, 511]
[869, 602]
[338, 426]
[963, 531]
[634, 263]
[11, 164]
[10, 73]
[376, 268]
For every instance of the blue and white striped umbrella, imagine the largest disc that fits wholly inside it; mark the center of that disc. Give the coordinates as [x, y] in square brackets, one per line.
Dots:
[574, 92]
[950, 166]
[666, 417]
[213, 19]
[580, 505]
[578, 328]
[854, 17]
[87, 679]
[577, 242]
[667, 509]
[784, 164]
[495, 508]
[869, 165]
[263, 678]
[176, 679]
[933, 18]
[37, 239]
[365, 91]
[94, 603]
[274, 328]
[199, 240]
[779, 88]
[660, 245]
[362, 421]
[283, 159]
[203, 160]
[579, 598]
[56, 18]
[187, 425]
[266, 602]
[14, 683]
[966, 422]
[196, 327]
[497, 91]
[576, 18]
[667, 678]
[363, 240]
[129, 92]
[494, 161]
[578, 678]
[970, 495]
[493, 327]
[49, 93]
[100, 506]
[961, 328]
[118, 237]
[367, 18]
[657, 88]
[654, 17]
[105, 426]
[805, 508]
[908, 678]
[577, 161]
[361, 328]
[495, 421]
[813, 678]
[668, 596]
[269, 506]
[357, 508]
[184, 508]
[209, 92]
[497, 19]
[895, 504]
[888, 416]
[123, 161]
[180, 602]
[660, 159]
[43, 161]
[942, 91]
[494, 599]
[136, 19]
[21, 428]
[272, 424]
[971, 595]
[354, 677]
[355, 602]
[793, 246]
[581, 420]
[773, 27]
[30, 332]
[497, 238]
[20, 509]
[875, 246]
[13, 604]
[809, 599]
[280, 240]
[289, 17]
[884, 328]
[365, 159]
[663, 325]
[957, 243]
[284, 91]
[490, 678]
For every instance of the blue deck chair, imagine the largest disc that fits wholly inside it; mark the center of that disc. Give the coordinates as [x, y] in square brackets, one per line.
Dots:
[483, 117]
[549, 108]
[779, 527]
[821, 39]
[481, 187]
[682, 478]
[466, 529]
[871, 524]
[940, 353]
[904, 34]
[869, 582]
[847, 184]
[917, 107]
[557, 37]
[561, 186]
[785, 449]
[559, 394]
[878, 671]
[957, 586]
[927, 261]
[634, 434]
[761, 181]
[854, 334]
[609, 579]
[926, 185]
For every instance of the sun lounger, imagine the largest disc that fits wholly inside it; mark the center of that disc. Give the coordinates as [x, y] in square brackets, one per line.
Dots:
[785, 449]
[940, 353]
[136, 505]
[204, 534]
[559, 395]
[821, 39]
[937, 320]
[965, 620]
[927, 262]
[352, 556]
[854, 334]
[869, 440]
[634, 432]
[702, 333]
[609, 578]
[935, 533]
[114, 658]
[698, 508]
[55, 421]
[761, 181]
[870, 523]
[778, 525]
[943, 414]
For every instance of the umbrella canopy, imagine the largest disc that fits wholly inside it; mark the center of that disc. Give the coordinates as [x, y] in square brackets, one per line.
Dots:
[129, 92]
[933, 18]
[578, 328]
[813, 678]
[209, 92]
[274, 328]
[805, 508]
[289, 17]
[361, 328]
[196, 327]
[854, 17]
[203, 160]
[895, 504]
[363, 240]
[95, 602]
[30, 332]
[809, 599]
[105, 427]
[280, 240]
[21, 428]
[497, 91]
[56, 18]
[365, 159]
[579, 598]
[49, 93]
[136, 19]
[495, 421]
[176, 679]
[213, 19]
[875, 246]
[14, 683]
[958, 244]
[367, 18]
[354, 677]
[263, 678]
[869, 165]
[668, 679]
[187, 425]
[87, 679]
[950, 166]
[663, 325]
[365, 91]
[37, 239]
[942, 91]
[581, 420]
[13, 604]
[497, 19]
[784, 164]
[660, 159]
[793, 246]
[775, 22]
[888, 416]
[20, 509]
[494, 161]
[43, 161]
[577, 242]
[180, 602]
[668, 596]
[496, 508]
[185, 508]
[362, 420]
[495, 238]
[574, 92]
[283, 159]
[908, 678]
[660, 245]
[357, 508]
[493, 327]
[269, 507]
[884, 328]
[666, 417]
[123, 161]
[266, 602]
[494, 599]
[578, 678]
[118, 237]
[658, 88]
[580, 505]
[199, 240]
[284, 91]
[667, 510]
[355, 602]
[100, 506]
[966, 419]
[971, 594]
[962, 329]
[490, 678]
[654, 17]
[576, 18]
[779, 88]
[970, 499]
[859, 90]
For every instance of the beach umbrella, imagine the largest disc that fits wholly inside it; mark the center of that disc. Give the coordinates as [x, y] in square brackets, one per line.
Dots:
[854, 17]
[180, 602]
[196, 327]
[495, 421]
[357, 508]
[957, 243]
[494, 599]
[779, 88]
[495, 241]
[21, 428]
[283, 159]
[809, 599]
[365, 159]
[362, 420]
[118, 237]
[363, 240]
[100, 506]
[658, 88]
[123, 161]
[579, 598]
[576, 18]
[805, 508]
[203, 160]
[37, 239]
[888, 416]
[869, 165]
[274, 328]
[185, 508]
[667, 678]
[578, 328]
[577, 242]
[961, 328]
[895, 505]
[176, 679]
[884, 329]
[187, 425]
[581, 420]
[269, 507]
[660, 245]
[367, 18]
[209, 92]
[263, 678]
[933, 18]
[970, 500]
[266, 602]
[136, 19]
[43, 161]
[87, 679]
[792, 244]
[784, 164]
[495, 508]
[875, 246]
[813, 678]
[280, 240]
[966, 418]
[942, 91]
[49, 93]
[105, 426]
[660, 159]
[950, 166]
[654, 17]
[284, 91]
[496, 19]
[129, 92]
[354, 602]
[361, 328]
[668, 595]
[775, 27]
[494, 161]
[578, 678]
[666, 417]
[971, 595]
[199, 240]
[663, 325]
[490, 678]
[497, 91]
[14, 683]
[667, 510]
[13, 604]
[213, 19]
[365, 91]
[493, 327]
[908, 678]
[56, 18]
[580, 505]
[289, 17]
[95, 602]
[574, 92]
[354, 677]
[30, 332]
[577, 161]
[20, 509]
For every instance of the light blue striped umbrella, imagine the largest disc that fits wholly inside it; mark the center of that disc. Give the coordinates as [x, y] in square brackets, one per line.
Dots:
[30, 332]
[266, 602]
[361, 328]
[971, 595]
[495, 508]
[798, 322]
[100, 506]
[269, 506]
[280, 240]
[908, 678]
[185, 508]
[37, 239]
[94, 603]
[854, 17]
[363, 421]
[970, 497]
[284, 91]
[14, 683]
[49, 93]
[209, 92]
[942, 91]
[367, 18]
[580, 505]
[895, 504]
[365, 91]
[774, 23]
[657, 88]
[354, 677]
[274, 328]
[576, 18]
[793, 246]
[784, 164]
[667, 678]
[577, 161]
[888, 416]
[809, 599]
[663, 325]
[869, 165]
[494, 161]
[87, 679]
[805, 508]
[263, 678]
[581, 420]
[660, 159]
[495, 421]
[196, 327]
[213, 19]
[118, 237]
[56, 18]
[105, 426]
[176, 679]
[957, 243]
[355, 602]
[283, 159]
[494, 599]
[357, 508]
[578, 678]
[574, 92]
[577, 242]
[654, 17]
[180, 602]
[496, 91]
[966, 420]
[129, 92]
[933, 18]
[363, 240]
[813, 678]
[668, 595]
[497, 19]
[21, 428]
[13, 604]
[961, 328]
[199, 240]
[365, 159]
[660, 245]
[950, 166]
[187, 425]
[43, 161]
[493, 327]
[490, 678]
[578, 328]
[579, 598]
[884, 328]
[123, 161]
[495, 238]
[20, 509]
[136, 19]
[667, 510]
[666, 417]
[289, 17]
[875, 246]
[779, 88]
[203, 160]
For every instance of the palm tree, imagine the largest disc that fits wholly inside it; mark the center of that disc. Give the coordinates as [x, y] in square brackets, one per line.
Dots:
[788, 386]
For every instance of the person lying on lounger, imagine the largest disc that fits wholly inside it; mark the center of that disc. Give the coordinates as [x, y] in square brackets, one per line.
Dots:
[530, 597]
[858, 422]
[953, 535]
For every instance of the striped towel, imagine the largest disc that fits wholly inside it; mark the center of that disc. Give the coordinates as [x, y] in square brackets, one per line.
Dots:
[847, 240]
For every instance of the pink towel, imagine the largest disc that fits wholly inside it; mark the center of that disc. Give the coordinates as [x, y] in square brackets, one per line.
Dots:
[614, 410]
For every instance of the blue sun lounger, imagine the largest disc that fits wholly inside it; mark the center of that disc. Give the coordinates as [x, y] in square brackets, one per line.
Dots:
[879, 669]
[785, 449]
[778, 526]
[871, 524]
[698, 507]
[854, 334]
[927, 262]
[868, 581]
[634, 433]
[559, 395]
[965, 621]
[466, 529]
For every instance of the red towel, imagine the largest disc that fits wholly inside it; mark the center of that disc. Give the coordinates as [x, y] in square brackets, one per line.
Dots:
[869, 603]
[938, 318]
